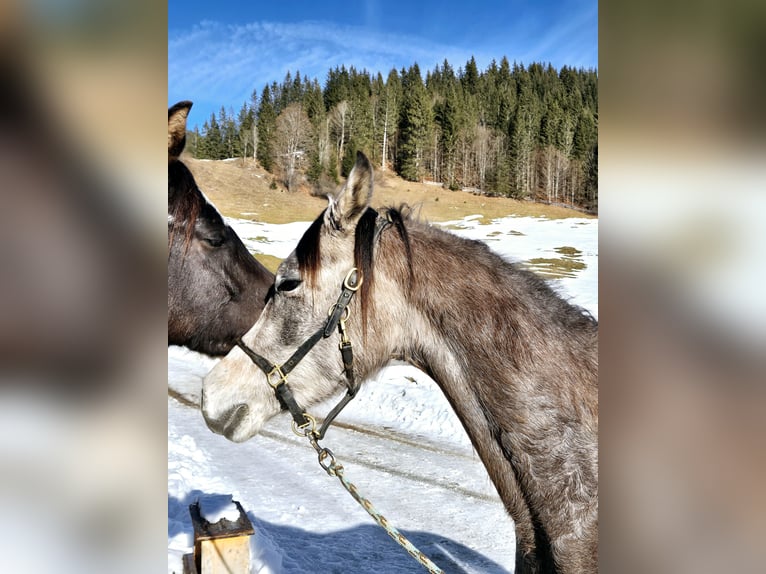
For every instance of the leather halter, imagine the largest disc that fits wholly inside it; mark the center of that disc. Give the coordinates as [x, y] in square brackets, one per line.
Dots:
[276, 375]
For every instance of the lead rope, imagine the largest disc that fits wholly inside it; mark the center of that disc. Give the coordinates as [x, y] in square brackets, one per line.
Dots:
[332, 467]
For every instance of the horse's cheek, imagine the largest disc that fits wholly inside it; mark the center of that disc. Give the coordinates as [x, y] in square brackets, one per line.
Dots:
[288, 332]
[291, 324]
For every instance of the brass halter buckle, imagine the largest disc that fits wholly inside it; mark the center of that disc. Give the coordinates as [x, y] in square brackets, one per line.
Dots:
[306, 429]
[281, 377]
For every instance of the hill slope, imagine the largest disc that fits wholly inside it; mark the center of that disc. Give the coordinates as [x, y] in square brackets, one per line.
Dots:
[242, 189]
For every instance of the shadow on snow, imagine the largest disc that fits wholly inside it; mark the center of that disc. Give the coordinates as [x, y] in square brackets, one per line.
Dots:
[363, 549]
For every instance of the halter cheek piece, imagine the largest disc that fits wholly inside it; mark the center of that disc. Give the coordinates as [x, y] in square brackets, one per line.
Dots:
[276, 375]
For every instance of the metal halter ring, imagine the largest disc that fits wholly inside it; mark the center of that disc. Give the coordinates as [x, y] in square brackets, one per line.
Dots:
[346, 312]
[348, 276]
[307, 428]
[329, 467]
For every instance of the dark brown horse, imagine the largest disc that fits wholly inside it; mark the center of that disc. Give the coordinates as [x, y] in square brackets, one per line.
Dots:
[216, 288]
[518, 363]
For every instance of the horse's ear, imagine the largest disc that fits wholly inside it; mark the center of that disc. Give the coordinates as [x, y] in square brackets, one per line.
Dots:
[354, 198]
[177, 128]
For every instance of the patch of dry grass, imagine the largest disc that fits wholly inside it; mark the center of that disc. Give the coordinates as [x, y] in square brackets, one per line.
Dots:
[268, 261]
[555, 268]
[242, 189]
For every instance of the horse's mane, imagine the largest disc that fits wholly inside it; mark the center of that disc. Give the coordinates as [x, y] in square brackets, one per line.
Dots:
[308, 253]
[184, 201]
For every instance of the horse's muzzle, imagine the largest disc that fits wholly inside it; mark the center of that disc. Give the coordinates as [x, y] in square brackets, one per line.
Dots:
[229, 422]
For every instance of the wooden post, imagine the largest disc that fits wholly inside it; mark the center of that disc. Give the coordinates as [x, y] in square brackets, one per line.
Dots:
[221, 547]
[190, 567]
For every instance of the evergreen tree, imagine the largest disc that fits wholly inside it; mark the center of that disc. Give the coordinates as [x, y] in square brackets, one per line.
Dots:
[319, 155]
[267, 124]
[470, 77]
[296, 93]
[336, 87]
[202, 143]
[362, 113]
[448, 117]
[214, 148]
[230, 146]
[585, 135]
[500, 178]
[523, 139]
[414, 124]
[284, 98]
[313, 101]
[378, 98]
[591, 179]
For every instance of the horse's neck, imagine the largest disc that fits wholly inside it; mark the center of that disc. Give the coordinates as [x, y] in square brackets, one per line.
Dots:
[451, 328]
[467, 304]
[518, 365]
[482, 329]
[462, 385]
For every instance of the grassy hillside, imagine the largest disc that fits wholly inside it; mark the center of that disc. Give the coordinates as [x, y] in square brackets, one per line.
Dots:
[244, 190]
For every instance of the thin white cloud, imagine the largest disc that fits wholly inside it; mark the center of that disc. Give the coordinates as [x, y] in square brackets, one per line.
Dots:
[214, 62]
[217, 64]
[566, 44]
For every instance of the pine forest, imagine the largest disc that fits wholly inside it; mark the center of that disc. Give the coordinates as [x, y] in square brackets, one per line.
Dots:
[529, 133]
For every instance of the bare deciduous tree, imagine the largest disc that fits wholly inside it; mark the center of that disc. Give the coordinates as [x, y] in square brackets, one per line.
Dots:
[323, 143]
[255, 140]
[245, 138]
[340, 125]
[292, 141]
[482, 151]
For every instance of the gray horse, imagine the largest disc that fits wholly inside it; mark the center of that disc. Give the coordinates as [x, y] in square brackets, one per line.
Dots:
[518, 363]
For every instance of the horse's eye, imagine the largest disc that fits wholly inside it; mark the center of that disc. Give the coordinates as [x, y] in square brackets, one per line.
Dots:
[288, 285]
[215, 241]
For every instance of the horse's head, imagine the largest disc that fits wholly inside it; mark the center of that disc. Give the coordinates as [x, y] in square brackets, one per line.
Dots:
[216, 289]
[237, 398]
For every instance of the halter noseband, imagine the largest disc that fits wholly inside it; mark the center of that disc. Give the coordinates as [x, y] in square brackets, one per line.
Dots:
[276, 375]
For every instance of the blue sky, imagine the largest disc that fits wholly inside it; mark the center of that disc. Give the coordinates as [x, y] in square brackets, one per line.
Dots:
[220, 51]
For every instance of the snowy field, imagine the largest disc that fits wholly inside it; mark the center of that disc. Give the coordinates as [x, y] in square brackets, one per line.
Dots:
[398, 440]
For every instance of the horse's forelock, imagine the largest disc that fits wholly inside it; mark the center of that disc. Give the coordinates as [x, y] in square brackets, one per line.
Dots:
[308, 252]
[364, 238]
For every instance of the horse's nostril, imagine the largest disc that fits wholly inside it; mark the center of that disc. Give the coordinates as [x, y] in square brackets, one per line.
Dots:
[234, 419]
[215, 425]
[228, 421]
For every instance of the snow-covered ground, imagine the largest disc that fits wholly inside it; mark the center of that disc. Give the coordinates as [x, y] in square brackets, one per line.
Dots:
[399, 442]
